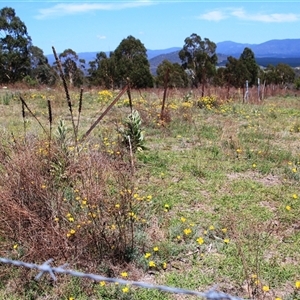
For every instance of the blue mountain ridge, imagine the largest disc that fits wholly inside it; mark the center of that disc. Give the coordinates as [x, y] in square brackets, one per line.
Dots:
[273, 52]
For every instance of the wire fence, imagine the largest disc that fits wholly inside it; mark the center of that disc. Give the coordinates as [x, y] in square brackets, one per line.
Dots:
[46, 268]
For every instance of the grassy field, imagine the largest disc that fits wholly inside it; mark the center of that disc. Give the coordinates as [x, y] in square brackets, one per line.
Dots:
[212, 201]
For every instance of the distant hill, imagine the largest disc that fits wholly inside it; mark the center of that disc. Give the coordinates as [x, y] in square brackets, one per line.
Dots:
[285, 51]
[173, 57]
[154, 53]
[273, 48]
[89, 56]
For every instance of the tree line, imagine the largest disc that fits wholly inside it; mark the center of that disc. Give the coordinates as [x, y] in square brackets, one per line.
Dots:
[21, 61]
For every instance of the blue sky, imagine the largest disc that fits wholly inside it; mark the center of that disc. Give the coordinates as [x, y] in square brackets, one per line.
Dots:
[94, 26]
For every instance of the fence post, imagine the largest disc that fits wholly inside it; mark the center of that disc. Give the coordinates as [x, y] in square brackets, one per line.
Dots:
[258, 89]
[246, 93]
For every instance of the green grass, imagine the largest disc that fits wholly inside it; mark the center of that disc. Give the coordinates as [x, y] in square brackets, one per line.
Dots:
[235, 168]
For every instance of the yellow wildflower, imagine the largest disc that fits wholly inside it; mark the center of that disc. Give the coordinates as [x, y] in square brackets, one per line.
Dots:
[132, 215]
[200, 240]
[155, 249]
[102, 283]
[147, 255]
[265, 288]
[187, 231]
[124, 274]
[297, 284]
[151, 263]
[125, 289]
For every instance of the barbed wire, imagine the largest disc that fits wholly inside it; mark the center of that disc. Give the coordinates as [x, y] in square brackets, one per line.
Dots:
[47, 268]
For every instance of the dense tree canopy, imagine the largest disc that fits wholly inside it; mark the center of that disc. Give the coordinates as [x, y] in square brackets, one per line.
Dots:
[176, 75]
[102, 70]
[247, 58]
[132, 63]
[14, 47]
[236, 72]
[41, 71]
[281, 74]
[128, 63]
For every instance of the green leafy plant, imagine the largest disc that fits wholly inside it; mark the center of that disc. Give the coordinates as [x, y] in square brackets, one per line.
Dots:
[132, 133]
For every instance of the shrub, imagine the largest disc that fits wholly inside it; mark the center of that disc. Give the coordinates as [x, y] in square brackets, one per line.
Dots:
[132, 134]
[208, 102]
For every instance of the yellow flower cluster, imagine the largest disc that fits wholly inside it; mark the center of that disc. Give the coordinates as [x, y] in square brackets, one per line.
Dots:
[105, 96]
[187, 104]
[208, 102]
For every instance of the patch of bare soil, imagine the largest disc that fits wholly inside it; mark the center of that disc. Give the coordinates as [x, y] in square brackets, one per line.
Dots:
[268, 180]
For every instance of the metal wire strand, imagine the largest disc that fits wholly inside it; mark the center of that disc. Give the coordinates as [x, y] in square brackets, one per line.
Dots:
[47, 268]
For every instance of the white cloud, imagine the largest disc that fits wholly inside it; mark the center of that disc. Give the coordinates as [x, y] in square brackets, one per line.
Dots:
[101, 37]
[215, 15]
[266, 18]
[63, 9]
[241, 14]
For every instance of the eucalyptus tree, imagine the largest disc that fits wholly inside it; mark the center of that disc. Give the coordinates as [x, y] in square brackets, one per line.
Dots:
[14, 47]
[177, 77]
[200, 57]
[236, 72]
[132, 63]
[40, 70]
[220, 79]
[280, 75]
[285, 74]
[102, 70]
[248, 60]
[72, 67]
